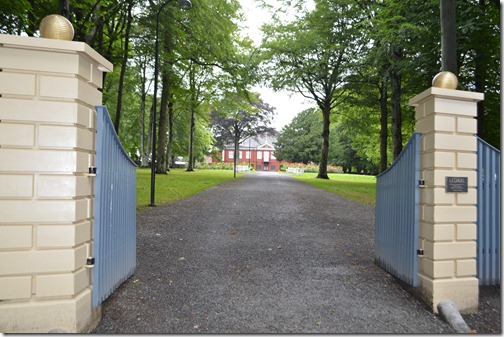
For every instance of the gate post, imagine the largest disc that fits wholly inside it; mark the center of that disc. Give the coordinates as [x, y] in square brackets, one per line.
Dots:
[48, 91]
[448, 197]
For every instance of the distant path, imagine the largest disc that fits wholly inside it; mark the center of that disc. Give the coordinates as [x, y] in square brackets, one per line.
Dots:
[261, 254]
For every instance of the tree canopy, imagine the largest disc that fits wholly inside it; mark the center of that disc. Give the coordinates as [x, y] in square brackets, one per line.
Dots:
[359, 61]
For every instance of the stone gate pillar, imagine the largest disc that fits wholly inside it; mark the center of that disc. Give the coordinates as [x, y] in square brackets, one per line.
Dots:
[448, 198]
[48, 93]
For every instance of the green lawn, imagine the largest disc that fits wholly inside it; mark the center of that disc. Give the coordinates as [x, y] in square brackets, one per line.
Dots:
[355, 187]
[177, 184]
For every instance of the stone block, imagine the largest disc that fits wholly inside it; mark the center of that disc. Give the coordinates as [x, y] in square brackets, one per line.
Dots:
[464, 292]
[448, 142]
[15, 288]
[43, 211]
[42, 261]
[69, 88]
[17, 84]
[436, 196]
[436, 123]
[12, 160]
[16, 186]
[71, 315]
[466, 232]
[438, 269]
[60, 236]
[449, 214]
[17, 135]
[453, 250]
[64, 186]
[56, 112]
[437, 232]
[15, 237]
[467, 125]
[438, 159]
[38, 61]
[65, 284]
[65, 137]
[466, 268]
[467, 161]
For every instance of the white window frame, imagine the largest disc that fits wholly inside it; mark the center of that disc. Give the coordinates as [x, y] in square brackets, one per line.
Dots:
[259, 154]
[230, 154]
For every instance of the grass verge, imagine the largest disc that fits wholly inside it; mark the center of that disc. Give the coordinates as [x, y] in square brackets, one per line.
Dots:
[177, 184]
[359, 188]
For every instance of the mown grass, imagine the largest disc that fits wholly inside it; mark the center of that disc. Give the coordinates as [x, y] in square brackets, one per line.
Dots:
[359, 188]
[177, 184]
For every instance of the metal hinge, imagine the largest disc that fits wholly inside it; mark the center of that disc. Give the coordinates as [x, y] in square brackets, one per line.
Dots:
[420, 252]
[90, 262]
[421, 183]
[92, 170]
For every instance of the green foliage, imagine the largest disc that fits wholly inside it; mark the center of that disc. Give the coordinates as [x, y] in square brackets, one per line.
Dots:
[299, 141]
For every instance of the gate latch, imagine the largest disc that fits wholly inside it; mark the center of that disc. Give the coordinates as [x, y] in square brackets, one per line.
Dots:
[90, 262]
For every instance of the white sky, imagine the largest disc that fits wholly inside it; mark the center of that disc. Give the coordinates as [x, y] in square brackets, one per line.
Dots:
[287, 104]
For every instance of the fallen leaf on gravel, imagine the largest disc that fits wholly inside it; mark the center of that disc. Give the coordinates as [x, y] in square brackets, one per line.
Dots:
[232, 233]
[238, 270]
[136, 281]
[472, 331]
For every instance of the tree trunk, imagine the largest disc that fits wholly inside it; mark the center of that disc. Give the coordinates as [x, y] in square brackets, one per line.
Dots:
[190, 161]
[448, 36]
[144, 146]
[192, 88]
[383, 125]
[169, 158]
[480, 71]
[124, 64]
[161, 159]
[64, 8]
[326, 112]
[395, 83]
[236, 149]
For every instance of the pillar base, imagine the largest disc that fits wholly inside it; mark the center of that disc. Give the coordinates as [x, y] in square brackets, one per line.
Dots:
[75, 315]
[464, 292]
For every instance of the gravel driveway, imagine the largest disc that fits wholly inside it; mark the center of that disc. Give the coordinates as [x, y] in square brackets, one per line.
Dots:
[261, 254]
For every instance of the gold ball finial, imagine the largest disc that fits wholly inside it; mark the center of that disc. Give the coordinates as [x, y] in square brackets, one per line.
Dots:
[57, 27]
[445, 79]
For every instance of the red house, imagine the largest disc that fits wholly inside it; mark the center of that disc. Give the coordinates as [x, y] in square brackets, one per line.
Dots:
[257, 151]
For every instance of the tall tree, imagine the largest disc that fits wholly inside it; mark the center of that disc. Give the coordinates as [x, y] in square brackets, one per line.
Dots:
[237, 117]
[124, 63]
[311, 55]
[299, 141]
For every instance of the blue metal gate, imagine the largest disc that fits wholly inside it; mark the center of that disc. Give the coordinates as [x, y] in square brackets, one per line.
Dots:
[397, 203]
[115, 211]
[489, 214]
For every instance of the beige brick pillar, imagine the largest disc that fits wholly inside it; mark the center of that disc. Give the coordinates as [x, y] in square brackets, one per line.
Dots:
[447, 268]
[48, 90]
